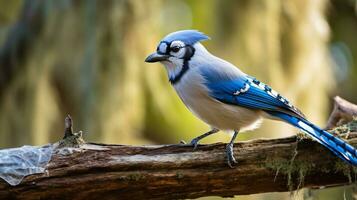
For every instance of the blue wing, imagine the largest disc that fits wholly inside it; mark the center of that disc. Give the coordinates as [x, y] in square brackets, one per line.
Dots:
[245, 91]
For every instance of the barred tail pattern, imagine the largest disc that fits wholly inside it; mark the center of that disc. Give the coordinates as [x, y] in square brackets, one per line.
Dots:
[339, 147]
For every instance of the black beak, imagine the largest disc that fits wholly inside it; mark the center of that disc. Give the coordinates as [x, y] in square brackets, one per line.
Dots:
[155, 57]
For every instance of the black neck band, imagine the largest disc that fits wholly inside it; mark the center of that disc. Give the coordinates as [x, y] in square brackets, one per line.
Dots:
[190, 51]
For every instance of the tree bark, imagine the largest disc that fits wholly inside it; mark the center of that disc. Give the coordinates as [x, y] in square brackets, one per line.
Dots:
[175, 172]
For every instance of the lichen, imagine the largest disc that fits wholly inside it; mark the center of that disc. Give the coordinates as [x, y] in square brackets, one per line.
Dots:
[345, 129]
[293, 167]
[134, 177]
[289, 168]
[346, 169]
[75, 141]
[179, 175]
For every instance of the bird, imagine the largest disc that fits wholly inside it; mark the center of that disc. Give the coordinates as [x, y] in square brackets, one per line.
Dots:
[226, 98]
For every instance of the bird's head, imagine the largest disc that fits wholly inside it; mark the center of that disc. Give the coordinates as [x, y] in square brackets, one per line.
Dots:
[175, 50]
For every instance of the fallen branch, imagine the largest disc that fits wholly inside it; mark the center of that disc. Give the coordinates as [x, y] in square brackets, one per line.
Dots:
[98, 171]
[343, 112]
[174, 171]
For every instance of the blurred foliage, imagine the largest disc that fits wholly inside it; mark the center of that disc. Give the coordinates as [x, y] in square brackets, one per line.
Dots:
[85, 58]
[343, 21]
[9, 11]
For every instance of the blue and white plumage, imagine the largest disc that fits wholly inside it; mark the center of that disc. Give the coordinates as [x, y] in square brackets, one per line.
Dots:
[226, 98]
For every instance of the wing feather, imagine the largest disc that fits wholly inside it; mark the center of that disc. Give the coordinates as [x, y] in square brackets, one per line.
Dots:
[233, 91]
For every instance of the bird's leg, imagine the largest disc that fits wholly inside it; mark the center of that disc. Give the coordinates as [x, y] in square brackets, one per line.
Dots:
[194, 141]
[229, 151]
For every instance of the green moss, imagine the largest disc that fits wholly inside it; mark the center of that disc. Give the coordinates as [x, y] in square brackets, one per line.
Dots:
[75, 141]
[299, 169]
[134, 177]
[179, 175]
[289, 168]
[348, 170]
[345, 129]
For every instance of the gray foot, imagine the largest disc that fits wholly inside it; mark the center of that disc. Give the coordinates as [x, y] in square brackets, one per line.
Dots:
[229, 156]
[194, 143]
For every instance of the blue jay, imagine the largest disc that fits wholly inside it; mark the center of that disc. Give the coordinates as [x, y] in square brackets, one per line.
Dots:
[226, 98]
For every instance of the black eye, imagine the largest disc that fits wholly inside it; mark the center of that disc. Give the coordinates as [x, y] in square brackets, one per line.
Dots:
[175, 49]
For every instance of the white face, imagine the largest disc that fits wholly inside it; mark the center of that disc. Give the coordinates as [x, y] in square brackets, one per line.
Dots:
[177, 51]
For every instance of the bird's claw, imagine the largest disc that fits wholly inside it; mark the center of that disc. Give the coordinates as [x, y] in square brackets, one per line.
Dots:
[194, 143]
[229, 156]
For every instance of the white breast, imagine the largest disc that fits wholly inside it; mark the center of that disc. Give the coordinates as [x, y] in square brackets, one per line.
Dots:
[215, 113]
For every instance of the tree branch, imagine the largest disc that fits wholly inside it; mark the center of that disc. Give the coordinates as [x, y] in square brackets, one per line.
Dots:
[343, 112]
[174, 171]
[96, 171]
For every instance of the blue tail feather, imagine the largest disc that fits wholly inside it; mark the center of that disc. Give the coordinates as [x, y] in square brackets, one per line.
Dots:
[339, 147]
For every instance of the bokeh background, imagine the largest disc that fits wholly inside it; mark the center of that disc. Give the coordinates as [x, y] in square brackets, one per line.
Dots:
[86, 58]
